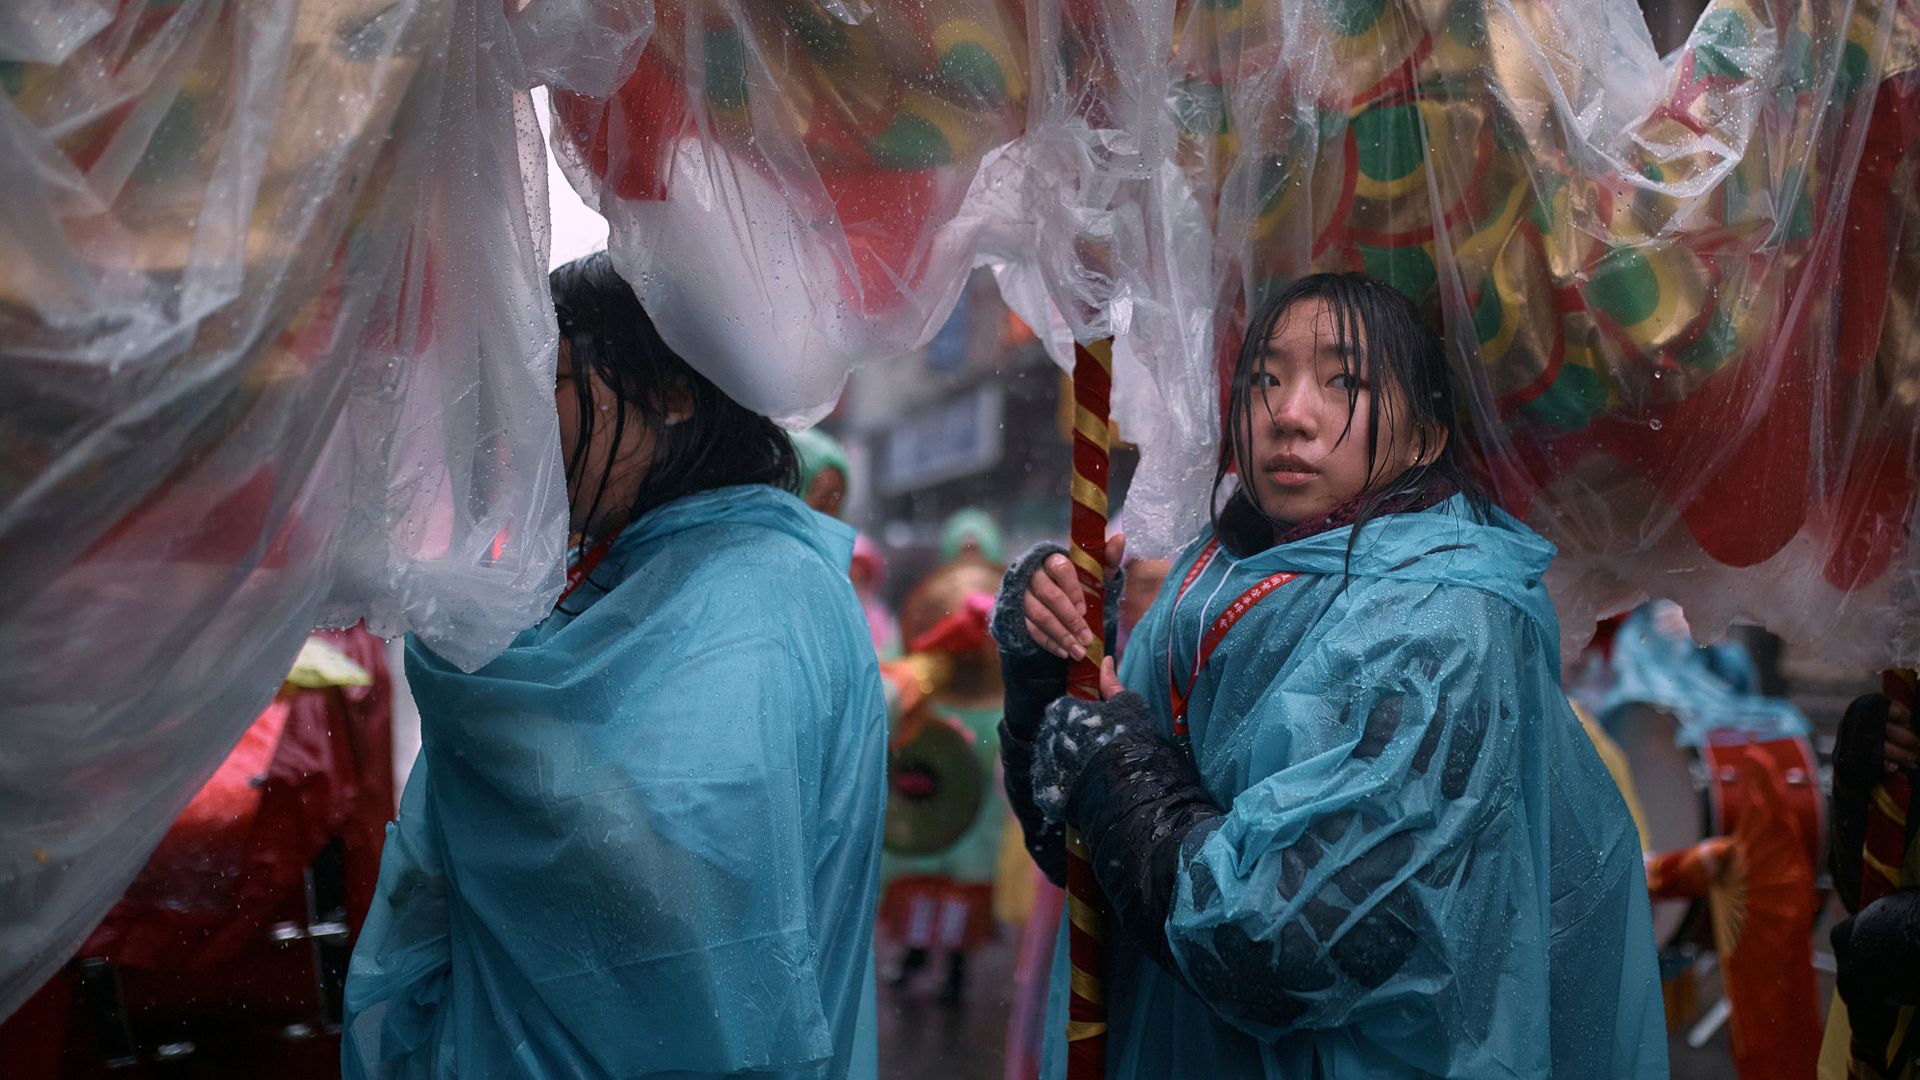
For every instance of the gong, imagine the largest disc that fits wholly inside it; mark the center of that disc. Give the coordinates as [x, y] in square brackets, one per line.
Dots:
[935, 787]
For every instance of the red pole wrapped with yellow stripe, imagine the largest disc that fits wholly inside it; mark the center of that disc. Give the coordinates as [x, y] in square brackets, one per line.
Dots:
[1087, 1008]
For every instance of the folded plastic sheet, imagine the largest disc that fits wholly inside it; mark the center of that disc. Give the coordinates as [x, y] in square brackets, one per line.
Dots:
[1682, 290]
[275, 350]
[798, 187]
[1105, 236]
[783, 181]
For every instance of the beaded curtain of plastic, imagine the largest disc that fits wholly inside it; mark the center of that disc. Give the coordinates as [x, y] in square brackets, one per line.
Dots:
[1680, 290]
[275, 351]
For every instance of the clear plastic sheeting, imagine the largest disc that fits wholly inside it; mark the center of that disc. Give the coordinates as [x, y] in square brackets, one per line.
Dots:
[782, 179]
[795, 188]
[275, 348]
[1682, 290]
[587, 46]
[1116, 243]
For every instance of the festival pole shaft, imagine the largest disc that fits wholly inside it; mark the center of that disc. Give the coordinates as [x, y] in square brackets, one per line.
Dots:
[1883, 851]
[1087, 1008]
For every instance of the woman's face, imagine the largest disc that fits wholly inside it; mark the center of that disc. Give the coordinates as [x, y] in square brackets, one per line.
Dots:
[624, 464]
[1305, 455]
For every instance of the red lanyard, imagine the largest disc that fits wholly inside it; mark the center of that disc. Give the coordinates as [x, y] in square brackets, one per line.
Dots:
[1215, 632]
[578, 572]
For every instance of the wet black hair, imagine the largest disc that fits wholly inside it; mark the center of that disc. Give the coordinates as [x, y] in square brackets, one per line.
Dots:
[1396, 350]
[611, 338]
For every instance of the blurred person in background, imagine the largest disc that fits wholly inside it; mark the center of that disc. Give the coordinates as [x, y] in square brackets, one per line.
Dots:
[971, 535]
[942, 902]
[823, 470]
[869, 574]
[226, 954]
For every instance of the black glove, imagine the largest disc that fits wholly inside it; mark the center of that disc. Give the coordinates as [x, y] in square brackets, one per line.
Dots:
[1859, 753]
[1074, 730]
[1138, 803]
[1033, 678]
[1878, 953]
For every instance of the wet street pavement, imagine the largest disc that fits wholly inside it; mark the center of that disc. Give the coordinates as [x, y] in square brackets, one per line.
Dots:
[922, 1039]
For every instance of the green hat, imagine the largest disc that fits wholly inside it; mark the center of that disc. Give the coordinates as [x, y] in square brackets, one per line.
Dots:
[819, 452]
[971, 526]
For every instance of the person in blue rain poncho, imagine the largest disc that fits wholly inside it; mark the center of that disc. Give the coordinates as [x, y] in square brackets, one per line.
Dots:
[1344, 819]
[1654, 661]
[645, 840]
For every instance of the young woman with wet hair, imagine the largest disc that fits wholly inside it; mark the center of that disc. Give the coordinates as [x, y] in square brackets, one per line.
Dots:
[644, 840]
[1345, 821]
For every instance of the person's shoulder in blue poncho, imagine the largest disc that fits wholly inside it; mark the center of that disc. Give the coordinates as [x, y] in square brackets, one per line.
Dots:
[644, 841]
[1344, 819]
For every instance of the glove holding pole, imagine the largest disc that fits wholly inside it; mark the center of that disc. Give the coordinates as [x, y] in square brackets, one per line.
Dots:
[1095, 765]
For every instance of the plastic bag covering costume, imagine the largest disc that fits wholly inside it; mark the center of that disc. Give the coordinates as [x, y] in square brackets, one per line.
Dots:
[644, 841]
[1425, 869]
[783, 179]
[1682, 291]
[275, 352]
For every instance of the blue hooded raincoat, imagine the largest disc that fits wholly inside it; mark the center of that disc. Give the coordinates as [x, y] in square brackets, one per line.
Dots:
[1424, 869]
[645, 840]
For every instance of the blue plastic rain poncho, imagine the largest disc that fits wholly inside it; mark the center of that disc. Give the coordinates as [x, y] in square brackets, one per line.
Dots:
[1424, 868]
[1704, 688]
[645, 840]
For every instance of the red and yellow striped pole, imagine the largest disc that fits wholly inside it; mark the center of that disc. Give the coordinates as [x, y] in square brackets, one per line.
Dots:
[1882, 855]
[1087, 1007]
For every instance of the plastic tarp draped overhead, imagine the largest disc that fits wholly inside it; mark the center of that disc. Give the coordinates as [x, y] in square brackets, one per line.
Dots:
[275, 351]
[782, 180]
[796, 187]
[1681, 290]
[274, 340]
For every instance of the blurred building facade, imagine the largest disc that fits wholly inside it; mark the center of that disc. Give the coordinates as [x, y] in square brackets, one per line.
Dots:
[972, 419]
